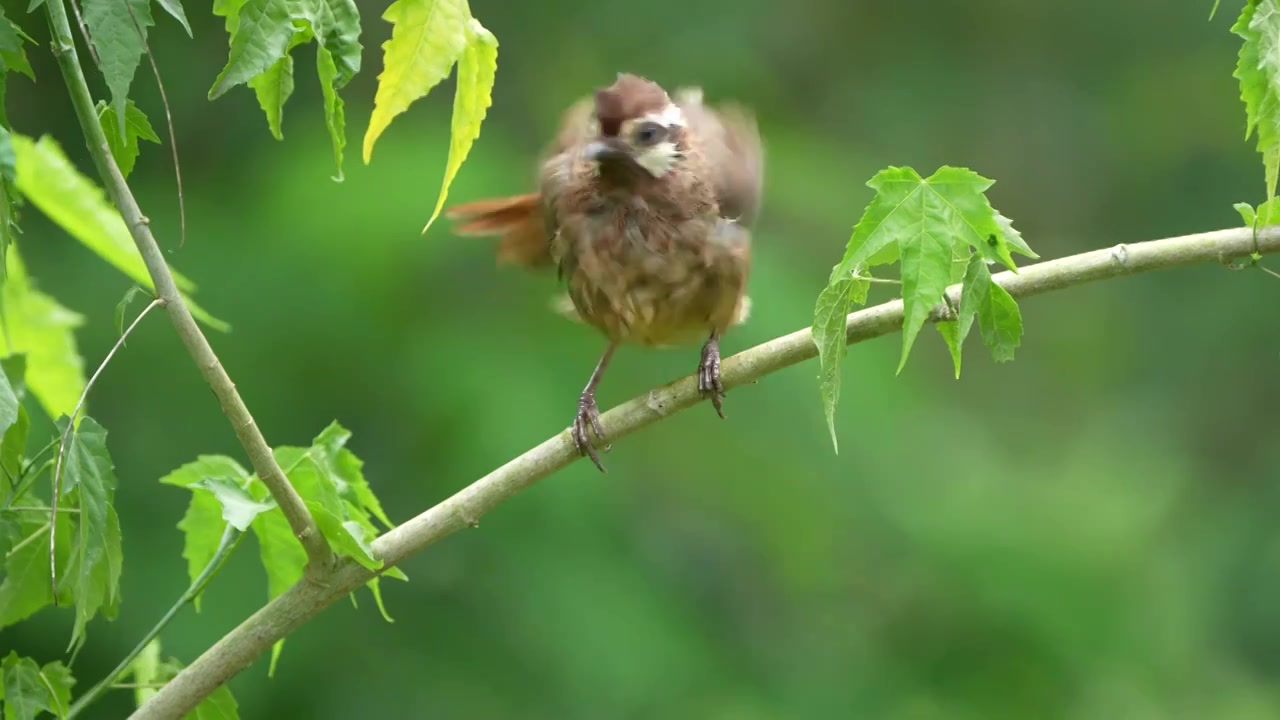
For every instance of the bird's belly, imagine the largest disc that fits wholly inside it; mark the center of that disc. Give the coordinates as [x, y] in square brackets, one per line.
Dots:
[656, 298]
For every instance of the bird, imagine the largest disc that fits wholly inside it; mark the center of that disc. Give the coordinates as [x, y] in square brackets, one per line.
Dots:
[644, 204]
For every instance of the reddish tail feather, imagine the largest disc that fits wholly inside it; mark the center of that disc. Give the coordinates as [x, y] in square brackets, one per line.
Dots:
[516, 220]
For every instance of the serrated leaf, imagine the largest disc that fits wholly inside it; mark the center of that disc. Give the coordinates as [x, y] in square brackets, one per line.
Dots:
[39, 327]
[124, 148]
[346, 537]
[202, 524]
[29, 690]
[283, 559]
[8, 403]
[427, 38]
[12, 55]
[58, 680]
[951, 336]
[926, 271]
[123, 306]
[1001, 323]
[144, 671]
[829, 322]
[238, 508]
[149, 673]
[273, 89]
[1258, 70]
[89, 480]
[25, 590]
[174, 8]
[51, 183]
[1246, 213]
[118, 29]
[13, 447]
[347, 470]
[264, 30]
[477, 70]
[998, 316]
[334, 115]
[8, 159]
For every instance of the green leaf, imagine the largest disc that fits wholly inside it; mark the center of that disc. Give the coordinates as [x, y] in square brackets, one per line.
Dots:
[35, 324]
[8, 402]
[148, 670]
[125, 147]
[829, 321]
[123, 306]
[30, 690]
[174, 8]
[1246, 213]
[13, 450]
[926, 270]
[144, 672]
[477, 69]
[283, 559]
[238, 508]
[58, 680]
[26, 588]
[51, 183]
[202, 524]
[334, 115]
[273, 88]
[89, 479]
[347, 470]
[427, 38]
[1258, 70]
[118, 29]
[12, 55]
[265, 30]
[997, 313]
[8, 159]
[951, 336]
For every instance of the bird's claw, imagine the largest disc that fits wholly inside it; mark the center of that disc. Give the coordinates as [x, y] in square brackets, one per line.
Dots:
[709, 376]
[587, 421]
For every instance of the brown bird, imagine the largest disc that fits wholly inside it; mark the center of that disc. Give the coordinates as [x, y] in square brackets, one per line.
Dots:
[645, 206]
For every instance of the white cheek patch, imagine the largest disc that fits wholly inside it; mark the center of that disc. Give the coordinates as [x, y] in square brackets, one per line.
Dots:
[670, 116]
[659, 159]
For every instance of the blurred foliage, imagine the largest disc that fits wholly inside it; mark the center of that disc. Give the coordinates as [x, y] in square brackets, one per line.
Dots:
[1084, 533]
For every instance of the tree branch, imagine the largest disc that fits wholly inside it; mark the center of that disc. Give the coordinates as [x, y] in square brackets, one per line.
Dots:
[238, 648]
[255, 446]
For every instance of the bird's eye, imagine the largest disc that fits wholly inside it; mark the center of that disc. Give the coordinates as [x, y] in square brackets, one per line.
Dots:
[650, 133]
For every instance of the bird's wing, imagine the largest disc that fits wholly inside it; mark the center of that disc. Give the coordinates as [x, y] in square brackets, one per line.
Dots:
[731, 141]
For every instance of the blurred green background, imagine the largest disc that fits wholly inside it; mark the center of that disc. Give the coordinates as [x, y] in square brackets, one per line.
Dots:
[1087, 532]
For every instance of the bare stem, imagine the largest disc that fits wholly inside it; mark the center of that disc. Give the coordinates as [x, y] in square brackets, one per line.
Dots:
[319, 556]
[240, 647]
[62, 445]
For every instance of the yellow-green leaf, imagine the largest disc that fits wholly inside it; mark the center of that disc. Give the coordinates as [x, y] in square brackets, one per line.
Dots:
[51, 183]
[37, 326]
[477, 69]
[427, 37]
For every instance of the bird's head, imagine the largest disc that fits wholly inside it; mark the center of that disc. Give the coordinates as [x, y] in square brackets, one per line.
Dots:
[636, 125]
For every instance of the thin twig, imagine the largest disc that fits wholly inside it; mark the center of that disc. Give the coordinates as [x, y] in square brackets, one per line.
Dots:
[230, 540]
[168, 118]
[319, 556]
[62, 446]
[84, 30]
[301, 602]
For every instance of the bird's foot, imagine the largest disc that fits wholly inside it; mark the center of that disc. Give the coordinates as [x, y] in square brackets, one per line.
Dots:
[586, 422]
[709, 375]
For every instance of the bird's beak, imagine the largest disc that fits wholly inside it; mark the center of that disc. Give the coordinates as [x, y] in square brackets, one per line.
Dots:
[599, 150]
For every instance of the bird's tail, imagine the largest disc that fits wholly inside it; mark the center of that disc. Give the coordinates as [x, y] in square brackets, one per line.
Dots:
[516, 220]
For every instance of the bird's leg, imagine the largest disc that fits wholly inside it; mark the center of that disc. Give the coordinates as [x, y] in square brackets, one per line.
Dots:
[587, 420]
[709, 373]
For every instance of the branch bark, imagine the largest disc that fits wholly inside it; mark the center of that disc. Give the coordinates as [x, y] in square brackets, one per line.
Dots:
[255, 446]
[240, 647]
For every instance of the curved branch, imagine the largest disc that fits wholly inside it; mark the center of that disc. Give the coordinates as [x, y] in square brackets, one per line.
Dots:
[238, 648]
[255, 446]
